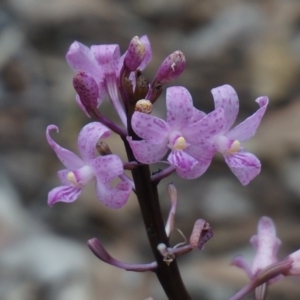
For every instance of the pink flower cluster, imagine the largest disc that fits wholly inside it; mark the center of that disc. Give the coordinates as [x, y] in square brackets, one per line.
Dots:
[187, 139]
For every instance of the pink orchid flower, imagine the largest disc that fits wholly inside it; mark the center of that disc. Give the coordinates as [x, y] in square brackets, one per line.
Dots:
[243, 164]
[178, 134]
[266, 244]
[80, 171]
[194, 137]
[103, 63]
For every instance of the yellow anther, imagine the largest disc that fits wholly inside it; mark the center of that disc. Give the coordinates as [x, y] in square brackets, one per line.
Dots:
[235, 147]
[71, 177]
[180, 143]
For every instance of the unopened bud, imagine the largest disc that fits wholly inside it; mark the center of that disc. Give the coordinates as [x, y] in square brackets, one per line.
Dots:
[87, 89]
[144, 106]
[135, 54]
[170, 68]
[201, 233]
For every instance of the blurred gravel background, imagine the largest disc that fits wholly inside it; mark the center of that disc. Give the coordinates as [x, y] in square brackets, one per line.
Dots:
[252, 45]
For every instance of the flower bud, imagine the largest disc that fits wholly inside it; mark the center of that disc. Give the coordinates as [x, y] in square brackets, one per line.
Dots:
[87, 89]
[135, 54]
[144, 106]
[170, 68]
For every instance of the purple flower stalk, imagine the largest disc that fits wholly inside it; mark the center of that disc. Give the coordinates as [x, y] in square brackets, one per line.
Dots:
[80, 171]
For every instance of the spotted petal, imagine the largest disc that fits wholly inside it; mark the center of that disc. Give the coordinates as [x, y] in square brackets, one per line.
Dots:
[80, 58]
[197, 115]
[203, 154]
[148, 55]
[207, 127]
[106, 169]
[146, 152]
[107, 57]
[150, 128]
[244, 165]
[179, 107]
[68, 158]
[182, 160]
[247, 129]
[226, 98]
[88, 138]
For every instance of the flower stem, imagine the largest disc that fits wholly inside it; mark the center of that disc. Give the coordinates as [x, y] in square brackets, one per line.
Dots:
[147, 194]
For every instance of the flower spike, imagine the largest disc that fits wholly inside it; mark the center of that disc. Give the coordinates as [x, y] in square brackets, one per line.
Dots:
[174, 134]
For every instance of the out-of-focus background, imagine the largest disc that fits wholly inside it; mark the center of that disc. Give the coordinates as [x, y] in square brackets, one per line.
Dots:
[252, 45]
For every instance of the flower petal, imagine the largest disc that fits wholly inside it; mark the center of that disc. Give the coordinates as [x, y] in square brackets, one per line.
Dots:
[148, 55]
[80, 58]
[150, 128]
[146, 152]
[203, 154]
[78, 101]
[247, 129]
[113, 197]
[196, 172]
[179, 107]
[107, 168]
[226, 97]
[62, 175]
[197, 115]
[88, 138]
[209, 126]
[295, 268]
[240, 262]
[68, 158]
[107, 57]
[244, 165]
[182, 160]
[266, 244]
[65, 193]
